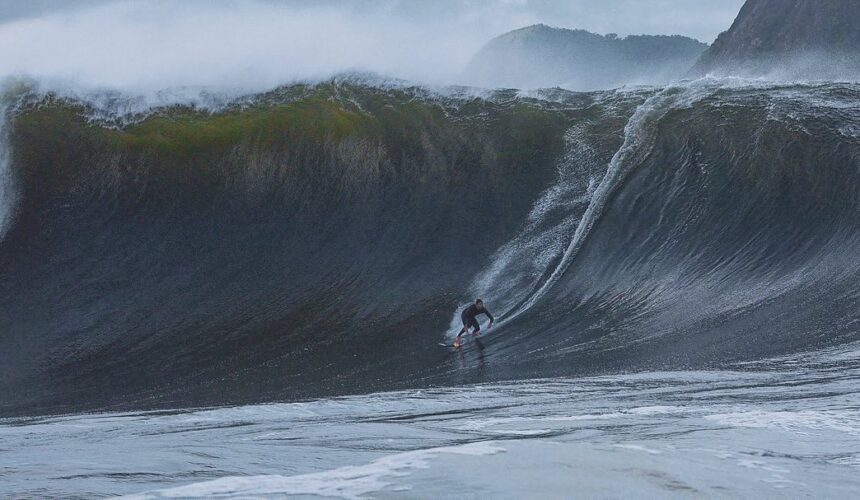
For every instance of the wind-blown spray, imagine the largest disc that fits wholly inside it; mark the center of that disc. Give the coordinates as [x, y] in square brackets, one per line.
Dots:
[8, 194]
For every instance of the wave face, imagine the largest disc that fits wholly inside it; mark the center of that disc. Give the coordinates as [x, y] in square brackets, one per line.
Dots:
[317, 240]
[725, 230]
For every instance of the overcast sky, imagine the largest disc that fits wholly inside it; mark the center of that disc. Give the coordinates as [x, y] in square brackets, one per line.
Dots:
[142, 45]
[701, 19]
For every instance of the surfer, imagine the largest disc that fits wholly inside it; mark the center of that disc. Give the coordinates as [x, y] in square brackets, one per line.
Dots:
[469, 320]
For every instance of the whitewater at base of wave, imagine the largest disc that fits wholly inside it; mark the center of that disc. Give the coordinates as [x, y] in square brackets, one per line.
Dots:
[785, 426]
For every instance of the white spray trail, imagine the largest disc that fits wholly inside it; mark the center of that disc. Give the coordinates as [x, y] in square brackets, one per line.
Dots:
[517, 267]
[639, 136]
[8, 191]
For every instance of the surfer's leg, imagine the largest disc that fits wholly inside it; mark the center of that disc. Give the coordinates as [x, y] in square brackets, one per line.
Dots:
[466, 325]
[462, 331]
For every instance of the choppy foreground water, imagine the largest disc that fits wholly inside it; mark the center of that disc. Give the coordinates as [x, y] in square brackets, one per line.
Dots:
[783, 427]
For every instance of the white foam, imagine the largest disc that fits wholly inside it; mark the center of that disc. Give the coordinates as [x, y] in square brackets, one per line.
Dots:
[657, 410]
[501, 425]
[637, 447]
[801, 422]
[344, 482]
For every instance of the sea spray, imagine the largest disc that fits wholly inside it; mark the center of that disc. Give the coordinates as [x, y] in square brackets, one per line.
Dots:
[8, 193]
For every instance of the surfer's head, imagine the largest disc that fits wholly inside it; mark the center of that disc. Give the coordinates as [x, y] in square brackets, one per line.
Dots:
[479, 304]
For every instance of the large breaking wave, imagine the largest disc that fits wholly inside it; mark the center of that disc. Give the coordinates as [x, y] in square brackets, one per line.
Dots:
[317, 239]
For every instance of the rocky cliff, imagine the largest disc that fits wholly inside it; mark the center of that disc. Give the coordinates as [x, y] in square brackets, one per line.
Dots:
[788, 39]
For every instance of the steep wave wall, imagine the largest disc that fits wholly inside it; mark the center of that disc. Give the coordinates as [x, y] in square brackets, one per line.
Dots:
[317, 240]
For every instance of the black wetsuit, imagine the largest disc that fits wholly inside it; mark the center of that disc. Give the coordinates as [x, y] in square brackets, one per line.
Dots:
[469, 318]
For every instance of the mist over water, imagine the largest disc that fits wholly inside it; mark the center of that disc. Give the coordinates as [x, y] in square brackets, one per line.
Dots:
[249, 45]
[240, 45]
[140, 46]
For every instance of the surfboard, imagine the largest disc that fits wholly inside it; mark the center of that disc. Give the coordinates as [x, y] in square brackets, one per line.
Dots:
[447, 345]
[463, 342]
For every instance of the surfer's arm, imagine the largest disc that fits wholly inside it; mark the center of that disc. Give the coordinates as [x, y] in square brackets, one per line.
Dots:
[492, 319]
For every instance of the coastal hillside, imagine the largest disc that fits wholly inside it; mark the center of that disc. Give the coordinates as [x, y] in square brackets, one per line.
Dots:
[541, 56]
